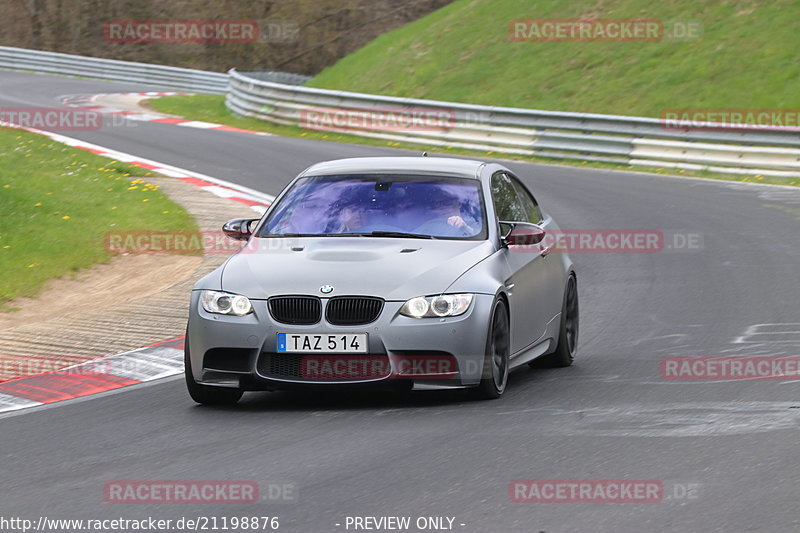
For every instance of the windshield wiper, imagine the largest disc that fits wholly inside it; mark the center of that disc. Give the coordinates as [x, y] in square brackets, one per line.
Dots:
[294, 235]
[291, 235]
[399, 234]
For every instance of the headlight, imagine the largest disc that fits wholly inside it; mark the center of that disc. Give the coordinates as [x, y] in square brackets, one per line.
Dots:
[437, 306]
[225, 303]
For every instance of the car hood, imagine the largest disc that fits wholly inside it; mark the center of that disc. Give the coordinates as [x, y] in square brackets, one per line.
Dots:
[390, 268]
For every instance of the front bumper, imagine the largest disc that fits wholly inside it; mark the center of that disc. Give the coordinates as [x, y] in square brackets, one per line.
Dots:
[230, 351]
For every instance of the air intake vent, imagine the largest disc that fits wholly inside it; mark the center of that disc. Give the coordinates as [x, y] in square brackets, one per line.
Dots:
[280, 365]
[353, 310]
[291, 366]
[295, 309]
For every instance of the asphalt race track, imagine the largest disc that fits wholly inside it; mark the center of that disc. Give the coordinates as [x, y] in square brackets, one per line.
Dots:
[610, 416]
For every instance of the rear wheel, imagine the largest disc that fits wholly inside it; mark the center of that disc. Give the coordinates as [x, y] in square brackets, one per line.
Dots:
[495, 365]
[204, 394]
[568, 331]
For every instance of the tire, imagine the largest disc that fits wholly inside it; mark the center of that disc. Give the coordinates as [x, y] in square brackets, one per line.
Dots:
[205, 394]
[567, 332]
[495, 364]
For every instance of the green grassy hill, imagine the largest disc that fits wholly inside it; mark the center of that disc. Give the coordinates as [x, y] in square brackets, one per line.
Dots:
[747, 57]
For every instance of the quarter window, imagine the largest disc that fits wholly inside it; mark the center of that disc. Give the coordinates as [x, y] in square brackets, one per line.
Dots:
[528, 202]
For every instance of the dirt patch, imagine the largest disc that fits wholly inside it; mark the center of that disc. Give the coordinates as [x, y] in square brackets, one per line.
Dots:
[123, 279]
[133, 301]
[133, 103]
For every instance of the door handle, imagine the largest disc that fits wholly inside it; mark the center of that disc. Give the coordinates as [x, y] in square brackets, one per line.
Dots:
[544, 251]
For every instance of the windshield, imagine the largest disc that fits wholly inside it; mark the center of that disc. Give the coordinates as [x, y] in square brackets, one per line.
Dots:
[385, 206]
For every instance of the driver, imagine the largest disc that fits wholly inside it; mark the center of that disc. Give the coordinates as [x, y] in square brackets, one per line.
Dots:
[351, 218]
[447, 218]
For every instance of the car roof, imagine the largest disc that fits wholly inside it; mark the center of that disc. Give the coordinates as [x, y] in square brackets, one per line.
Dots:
[445, 166]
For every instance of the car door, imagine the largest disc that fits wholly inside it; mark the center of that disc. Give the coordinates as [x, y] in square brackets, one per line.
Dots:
[554, 279]
[528, 274]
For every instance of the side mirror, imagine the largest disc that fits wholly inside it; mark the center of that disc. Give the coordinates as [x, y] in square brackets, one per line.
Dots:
[238, 228]
[522, 234]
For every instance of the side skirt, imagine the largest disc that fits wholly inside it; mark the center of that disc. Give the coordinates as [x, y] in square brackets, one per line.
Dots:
[546, 344]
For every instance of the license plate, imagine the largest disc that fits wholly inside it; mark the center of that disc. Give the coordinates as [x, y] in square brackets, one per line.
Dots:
[322, 342]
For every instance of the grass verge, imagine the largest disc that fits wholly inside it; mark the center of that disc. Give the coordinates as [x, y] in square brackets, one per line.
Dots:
[744, 55]
[56, 205]
[211, 108]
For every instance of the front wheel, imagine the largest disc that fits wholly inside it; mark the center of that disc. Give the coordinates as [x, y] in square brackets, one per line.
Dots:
[205, 394]
[495, 365]
[568, 330]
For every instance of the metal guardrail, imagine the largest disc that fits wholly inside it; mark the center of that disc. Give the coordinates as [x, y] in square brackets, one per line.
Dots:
[278, 97]
[581, 136]
[274, 76]
[111, 69]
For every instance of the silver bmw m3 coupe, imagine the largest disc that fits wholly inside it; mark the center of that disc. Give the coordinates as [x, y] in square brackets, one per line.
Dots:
[411, 272]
